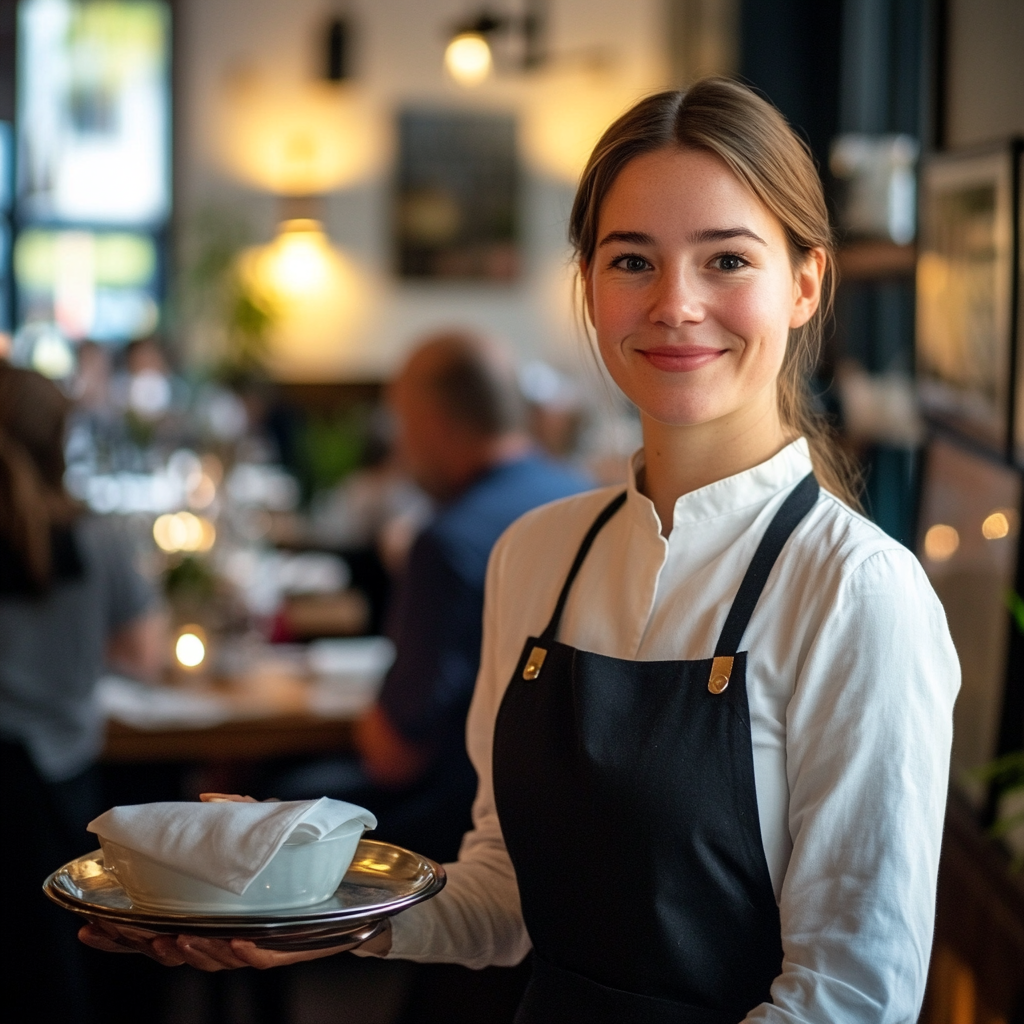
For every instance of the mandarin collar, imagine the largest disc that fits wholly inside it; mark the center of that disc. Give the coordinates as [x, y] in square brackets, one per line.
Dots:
[751, 487]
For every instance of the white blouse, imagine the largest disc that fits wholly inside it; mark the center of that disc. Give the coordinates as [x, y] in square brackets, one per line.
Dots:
[851, 678]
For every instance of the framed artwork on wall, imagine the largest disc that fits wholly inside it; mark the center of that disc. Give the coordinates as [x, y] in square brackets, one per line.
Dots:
[966, 294]
[456, 212]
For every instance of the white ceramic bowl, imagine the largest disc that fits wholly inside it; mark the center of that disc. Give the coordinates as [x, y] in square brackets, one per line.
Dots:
[300, 874]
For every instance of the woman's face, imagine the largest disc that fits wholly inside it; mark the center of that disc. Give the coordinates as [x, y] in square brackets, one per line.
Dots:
[691, 290]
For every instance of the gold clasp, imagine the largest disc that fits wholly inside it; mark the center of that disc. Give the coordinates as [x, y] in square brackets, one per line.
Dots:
[721, 669]
[533, 665]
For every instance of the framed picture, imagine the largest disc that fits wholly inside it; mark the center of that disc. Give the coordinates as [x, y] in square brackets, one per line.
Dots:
[969, 544]
[966, 323]
[456, 215]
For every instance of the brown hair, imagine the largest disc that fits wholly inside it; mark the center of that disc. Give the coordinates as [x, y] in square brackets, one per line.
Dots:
[753, 139]
[33, 415]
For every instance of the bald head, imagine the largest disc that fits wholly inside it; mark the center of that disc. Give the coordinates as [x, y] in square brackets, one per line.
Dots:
[459, 410]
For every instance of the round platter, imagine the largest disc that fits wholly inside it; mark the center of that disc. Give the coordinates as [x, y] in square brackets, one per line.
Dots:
[382, 881]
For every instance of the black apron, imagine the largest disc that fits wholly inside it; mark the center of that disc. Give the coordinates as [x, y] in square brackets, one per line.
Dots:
[625, 791]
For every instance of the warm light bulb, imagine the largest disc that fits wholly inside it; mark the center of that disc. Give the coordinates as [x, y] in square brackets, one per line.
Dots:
[941, 542]
[190, 650]
[298, 262]
[468, 58]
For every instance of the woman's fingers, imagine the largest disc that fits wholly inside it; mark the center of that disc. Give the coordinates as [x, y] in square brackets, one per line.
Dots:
[262, 959]
[98, 939]
[111, 939]
[202, 953]
[164, 950]
[208, 954]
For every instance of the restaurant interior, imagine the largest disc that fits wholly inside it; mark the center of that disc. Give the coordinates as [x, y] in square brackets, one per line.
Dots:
[224, 225]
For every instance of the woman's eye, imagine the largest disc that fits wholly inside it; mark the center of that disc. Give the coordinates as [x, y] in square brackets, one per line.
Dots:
[633, 264]
[730, 262]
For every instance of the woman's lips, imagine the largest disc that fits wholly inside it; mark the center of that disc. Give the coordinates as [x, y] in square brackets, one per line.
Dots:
[679, 360]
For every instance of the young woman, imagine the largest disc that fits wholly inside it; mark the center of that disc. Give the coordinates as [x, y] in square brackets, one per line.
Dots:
[713, 717]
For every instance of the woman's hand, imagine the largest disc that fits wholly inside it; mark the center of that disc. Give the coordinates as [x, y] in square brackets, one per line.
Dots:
[212, 954]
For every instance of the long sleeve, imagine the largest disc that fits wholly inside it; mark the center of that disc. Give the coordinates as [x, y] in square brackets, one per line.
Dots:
[868, 739]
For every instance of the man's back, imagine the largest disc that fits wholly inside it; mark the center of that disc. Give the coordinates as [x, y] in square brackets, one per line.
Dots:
[436, 624]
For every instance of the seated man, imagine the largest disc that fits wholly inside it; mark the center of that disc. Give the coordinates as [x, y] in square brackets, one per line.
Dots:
[461, 436]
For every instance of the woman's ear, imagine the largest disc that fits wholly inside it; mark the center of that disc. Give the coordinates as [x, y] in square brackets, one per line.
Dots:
[807, 287]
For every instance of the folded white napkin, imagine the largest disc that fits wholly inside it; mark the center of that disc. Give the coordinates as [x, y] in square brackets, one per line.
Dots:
[225, 844]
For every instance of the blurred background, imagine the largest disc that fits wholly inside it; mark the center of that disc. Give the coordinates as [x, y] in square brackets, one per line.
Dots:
[225, 223]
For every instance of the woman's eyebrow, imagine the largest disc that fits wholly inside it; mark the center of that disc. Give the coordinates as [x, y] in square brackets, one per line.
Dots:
[723, 234]
[629, 237]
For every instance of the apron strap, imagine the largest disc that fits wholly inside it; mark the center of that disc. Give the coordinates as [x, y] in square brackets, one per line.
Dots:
[800, 501]
[607, 512]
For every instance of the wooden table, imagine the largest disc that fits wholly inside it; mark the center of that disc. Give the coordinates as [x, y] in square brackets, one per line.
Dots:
[278, 736]
[267, 716]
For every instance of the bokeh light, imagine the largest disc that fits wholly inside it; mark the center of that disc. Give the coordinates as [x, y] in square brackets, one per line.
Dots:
[189, 648]
[941, 542]
[183, 531]
[998, 524]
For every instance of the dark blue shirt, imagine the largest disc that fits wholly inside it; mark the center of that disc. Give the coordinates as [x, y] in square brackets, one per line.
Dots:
[436, 620]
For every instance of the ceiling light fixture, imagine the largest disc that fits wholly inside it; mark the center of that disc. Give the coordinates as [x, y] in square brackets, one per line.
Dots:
[469, 57]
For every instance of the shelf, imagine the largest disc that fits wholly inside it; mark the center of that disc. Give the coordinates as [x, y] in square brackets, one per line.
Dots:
[876, 260]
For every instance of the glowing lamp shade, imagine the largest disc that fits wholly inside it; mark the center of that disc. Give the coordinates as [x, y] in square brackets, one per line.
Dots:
[190, 647]
[468, 59]
[315, 296]
[298, 138]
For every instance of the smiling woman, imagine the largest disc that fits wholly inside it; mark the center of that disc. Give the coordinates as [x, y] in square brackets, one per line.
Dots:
[712, 721]
[729, 188]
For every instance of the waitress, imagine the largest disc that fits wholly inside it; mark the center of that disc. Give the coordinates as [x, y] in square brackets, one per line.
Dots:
[713, 716]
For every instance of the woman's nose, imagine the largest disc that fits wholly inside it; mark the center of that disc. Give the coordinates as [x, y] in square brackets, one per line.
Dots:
[676, 301]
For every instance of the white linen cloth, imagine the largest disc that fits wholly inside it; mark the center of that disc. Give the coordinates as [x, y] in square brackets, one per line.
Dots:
[226, 844]
[851, 678]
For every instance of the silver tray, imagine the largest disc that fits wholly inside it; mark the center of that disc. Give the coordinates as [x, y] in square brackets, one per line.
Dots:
[382, 881]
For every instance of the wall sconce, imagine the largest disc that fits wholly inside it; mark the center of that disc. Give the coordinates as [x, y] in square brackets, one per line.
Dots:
[298, 138]
[313, 291]
[468, 57]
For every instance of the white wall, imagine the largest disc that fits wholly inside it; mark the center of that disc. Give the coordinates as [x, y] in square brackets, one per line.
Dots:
[398, 61]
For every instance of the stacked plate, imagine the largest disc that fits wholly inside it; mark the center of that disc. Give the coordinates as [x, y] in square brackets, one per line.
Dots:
[381, 881]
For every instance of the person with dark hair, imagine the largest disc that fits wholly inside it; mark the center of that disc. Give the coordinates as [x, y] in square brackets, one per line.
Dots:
[713, 717]
[70, 601]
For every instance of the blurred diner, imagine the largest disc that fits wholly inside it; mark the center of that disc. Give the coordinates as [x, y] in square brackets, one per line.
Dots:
[72, 603]
[461, 436]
